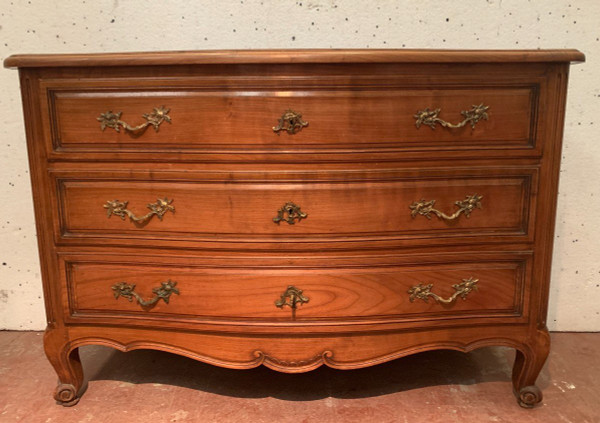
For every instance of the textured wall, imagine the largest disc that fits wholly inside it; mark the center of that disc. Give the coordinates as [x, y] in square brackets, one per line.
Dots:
[42, 26]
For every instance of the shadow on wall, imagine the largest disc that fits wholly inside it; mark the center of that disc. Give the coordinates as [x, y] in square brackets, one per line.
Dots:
[442, 367]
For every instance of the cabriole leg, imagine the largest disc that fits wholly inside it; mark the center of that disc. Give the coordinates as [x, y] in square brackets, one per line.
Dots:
[528, 365]
[67, 365]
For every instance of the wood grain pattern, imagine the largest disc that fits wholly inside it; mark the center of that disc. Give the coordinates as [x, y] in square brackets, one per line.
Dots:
[300, 354]
[355, 170]
[337, 211]
[294, 56]
[267, 266]
[336, 293]
[340, 136]
[338, 117]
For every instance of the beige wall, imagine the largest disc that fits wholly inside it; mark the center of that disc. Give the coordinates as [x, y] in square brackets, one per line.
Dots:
[51, 26]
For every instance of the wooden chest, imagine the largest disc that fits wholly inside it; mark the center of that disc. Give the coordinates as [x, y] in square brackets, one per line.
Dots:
[295, 208]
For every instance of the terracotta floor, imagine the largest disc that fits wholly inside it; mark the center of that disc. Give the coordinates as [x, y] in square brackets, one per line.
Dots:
[438, 386]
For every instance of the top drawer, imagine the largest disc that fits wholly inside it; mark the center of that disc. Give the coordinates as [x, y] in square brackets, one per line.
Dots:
[240, 118]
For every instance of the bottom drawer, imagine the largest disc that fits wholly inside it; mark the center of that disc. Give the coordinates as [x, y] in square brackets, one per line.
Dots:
[255, 293]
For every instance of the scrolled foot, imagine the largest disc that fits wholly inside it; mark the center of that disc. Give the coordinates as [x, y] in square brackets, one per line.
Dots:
[529, 396]
[66, 395]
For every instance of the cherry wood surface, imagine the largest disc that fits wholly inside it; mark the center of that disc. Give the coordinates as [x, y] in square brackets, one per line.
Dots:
[337, 117]
[359, 113]
[213, 218]
[355, 169]
[294, 56]
[335, 210]
[336, 293]
[514, 271]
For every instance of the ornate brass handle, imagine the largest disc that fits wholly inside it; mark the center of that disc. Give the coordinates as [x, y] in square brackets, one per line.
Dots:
[119, 208]
[423, 292]
[154, 119]
[472, 116]
[291, 122]
[163, 292]
[466, 206]
[288, 213]
[295, 297]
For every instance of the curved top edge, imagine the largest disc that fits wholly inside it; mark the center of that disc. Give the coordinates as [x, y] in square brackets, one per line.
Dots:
[292, 56]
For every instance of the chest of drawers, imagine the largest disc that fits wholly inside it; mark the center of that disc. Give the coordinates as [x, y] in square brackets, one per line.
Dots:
[295, 208]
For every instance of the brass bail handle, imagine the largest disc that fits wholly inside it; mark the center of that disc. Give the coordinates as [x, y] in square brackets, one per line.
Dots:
[423, 292]
[471, 117]
[158, 209]
[466, 206]
[163, 292]
[155, 119]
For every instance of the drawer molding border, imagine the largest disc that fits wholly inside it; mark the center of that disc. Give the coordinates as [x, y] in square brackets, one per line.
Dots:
[54, 89]
[525, 178]
[516, 312]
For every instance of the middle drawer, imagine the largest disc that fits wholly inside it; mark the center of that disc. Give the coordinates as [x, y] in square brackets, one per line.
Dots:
[375, 206]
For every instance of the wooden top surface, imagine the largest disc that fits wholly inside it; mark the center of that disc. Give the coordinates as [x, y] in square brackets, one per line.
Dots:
[293, 56]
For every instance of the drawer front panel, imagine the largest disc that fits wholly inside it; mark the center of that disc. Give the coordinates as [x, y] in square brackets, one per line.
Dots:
[338, 118]
[340, 293]
[237, 211]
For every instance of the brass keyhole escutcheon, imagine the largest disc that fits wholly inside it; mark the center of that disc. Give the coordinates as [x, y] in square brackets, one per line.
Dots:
[291, 298]
[289, 213]
[291, 122]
